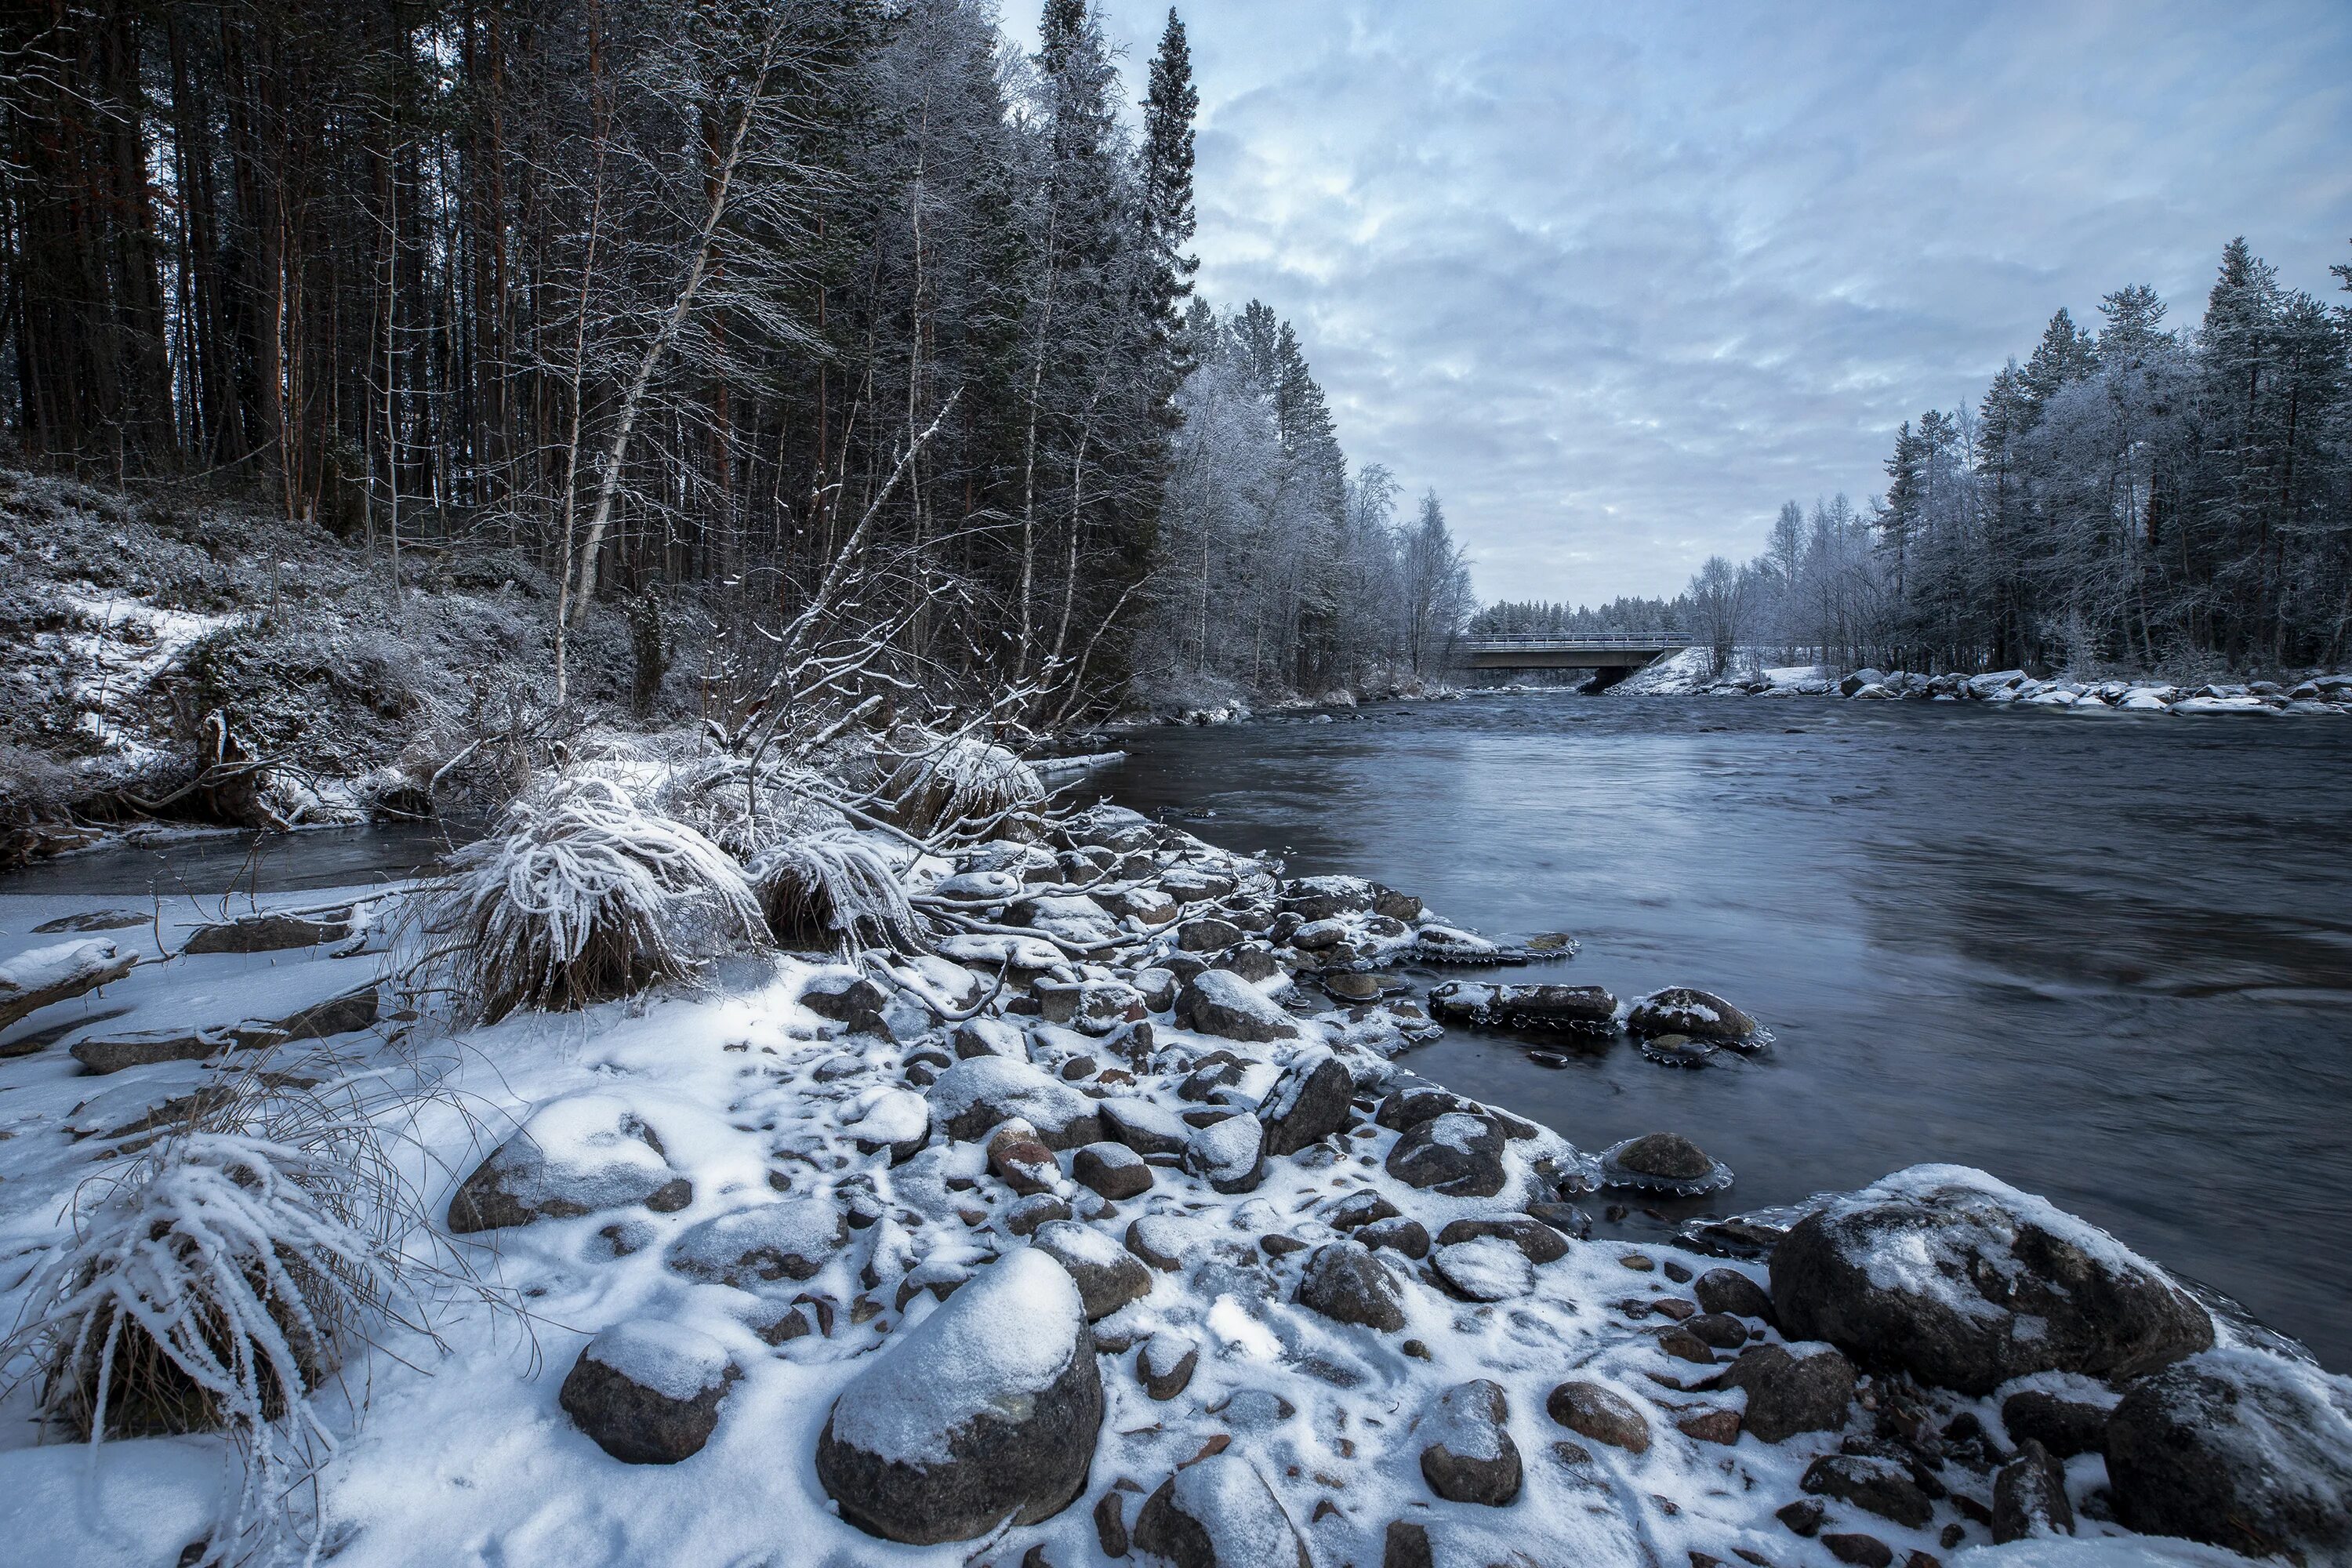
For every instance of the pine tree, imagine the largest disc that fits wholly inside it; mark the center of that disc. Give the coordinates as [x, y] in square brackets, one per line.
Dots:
[1170, 107]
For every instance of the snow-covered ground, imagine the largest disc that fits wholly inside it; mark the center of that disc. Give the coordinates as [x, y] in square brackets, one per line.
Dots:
[1689, 673]
[846, 1168]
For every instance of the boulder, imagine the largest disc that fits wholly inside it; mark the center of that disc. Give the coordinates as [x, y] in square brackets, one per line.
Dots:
[978, 1092]
[1966, 1283]
[1144, 1125]
[1322, 898]
[1682, 1010]
[1019, 1158]
[581, 1154]
[1537, 1241]
[1252, 960]
[992, 1037]
[1483, 1269]
[2064, 1426]
[1543, 1006]
[1409, 1236]
[1870, 1484]
[1729, 1290]
[1219, 1002]
[1112, 1169]
[1229, 1155]
[648, 1391]
[1206, 934]
[789, 1239]
[2239, 1449]
[1789, 1392]
[1360, 1208]
[1470, 1456]
[1107, 1275]
[2029, 1496]
[1405, 1545]
[1663, 1162]
[268, 933]
[354, 1009]
[1866, 676]
[1166, 1363]
[989, 1407]
[1345, 1282]
[846, 998]
[1455, 1153]
[1218, 1512]
[1309, 1103]
[898, 1120]
[58, 972]
[1601, 1414]
[1407, 1108]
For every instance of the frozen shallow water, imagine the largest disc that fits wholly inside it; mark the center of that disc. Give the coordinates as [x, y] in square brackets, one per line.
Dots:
[2109, 962]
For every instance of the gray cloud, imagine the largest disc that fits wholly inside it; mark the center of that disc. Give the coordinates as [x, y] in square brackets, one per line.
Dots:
[1617, 281]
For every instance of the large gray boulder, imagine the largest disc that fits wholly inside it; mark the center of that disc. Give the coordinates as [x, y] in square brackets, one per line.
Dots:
[1964, 1282]
[1686, 1010]
[2240, 1449]
[581, 1154]
[648, 1391]
[1107, 1275]
[989, 1407]
[1218, 1512]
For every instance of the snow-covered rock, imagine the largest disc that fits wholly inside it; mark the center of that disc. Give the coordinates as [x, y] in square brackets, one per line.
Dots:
[1219, 1514]
[990, 1407]
[1219, 1002]
[648, 1391]
[1469, 1456]
[1964, 1282]
[41, 976]
[576, 1156]
[2238, 1449]
[978, 1092]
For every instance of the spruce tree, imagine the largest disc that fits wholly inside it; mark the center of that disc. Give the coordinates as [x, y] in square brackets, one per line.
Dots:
[1168, 109]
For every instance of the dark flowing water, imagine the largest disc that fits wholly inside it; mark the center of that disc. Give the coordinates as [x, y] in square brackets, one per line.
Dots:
[2108, 959]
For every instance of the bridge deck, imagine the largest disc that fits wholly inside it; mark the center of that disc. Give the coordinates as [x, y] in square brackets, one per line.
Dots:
[1540, 651]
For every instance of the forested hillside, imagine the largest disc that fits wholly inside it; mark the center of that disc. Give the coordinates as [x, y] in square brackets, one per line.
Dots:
[849, 318]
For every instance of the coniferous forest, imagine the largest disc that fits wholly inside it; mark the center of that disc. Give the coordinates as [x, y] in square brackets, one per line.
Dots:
[733, 299]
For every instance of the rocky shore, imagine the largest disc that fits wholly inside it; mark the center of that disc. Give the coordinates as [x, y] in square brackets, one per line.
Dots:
[1688, 674]
[1110, 1228]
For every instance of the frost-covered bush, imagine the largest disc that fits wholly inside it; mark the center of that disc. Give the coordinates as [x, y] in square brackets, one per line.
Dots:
[582, 895]
[836, 892]
[745, 812]
[957, 784]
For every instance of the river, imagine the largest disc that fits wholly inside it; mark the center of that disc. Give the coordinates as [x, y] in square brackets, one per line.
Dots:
[2107, 958]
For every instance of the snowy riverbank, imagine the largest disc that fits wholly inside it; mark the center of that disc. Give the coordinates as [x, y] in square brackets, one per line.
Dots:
[1690, 674]
[1154, 1248]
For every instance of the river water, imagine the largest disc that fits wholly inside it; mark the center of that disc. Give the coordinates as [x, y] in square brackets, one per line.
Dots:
[2106, 958]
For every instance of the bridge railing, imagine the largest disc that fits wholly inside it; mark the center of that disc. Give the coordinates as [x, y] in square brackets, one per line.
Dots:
[1520, 640]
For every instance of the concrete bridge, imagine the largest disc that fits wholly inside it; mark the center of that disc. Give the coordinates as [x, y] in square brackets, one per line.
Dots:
[1538, 651]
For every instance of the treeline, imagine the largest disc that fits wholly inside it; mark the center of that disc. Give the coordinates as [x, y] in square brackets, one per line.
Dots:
[1279, 569]
[723, 292]
[2132, 496]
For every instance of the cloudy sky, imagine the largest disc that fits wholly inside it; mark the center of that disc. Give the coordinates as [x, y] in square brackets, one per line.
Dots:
[1618, 279]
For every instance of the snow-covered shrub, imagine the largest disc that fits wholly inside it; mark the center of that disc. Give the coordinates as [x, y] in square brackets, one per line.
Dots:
[836, 892]
[746, 813]
[212, 1282]
[582, 895]
[960, 785]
